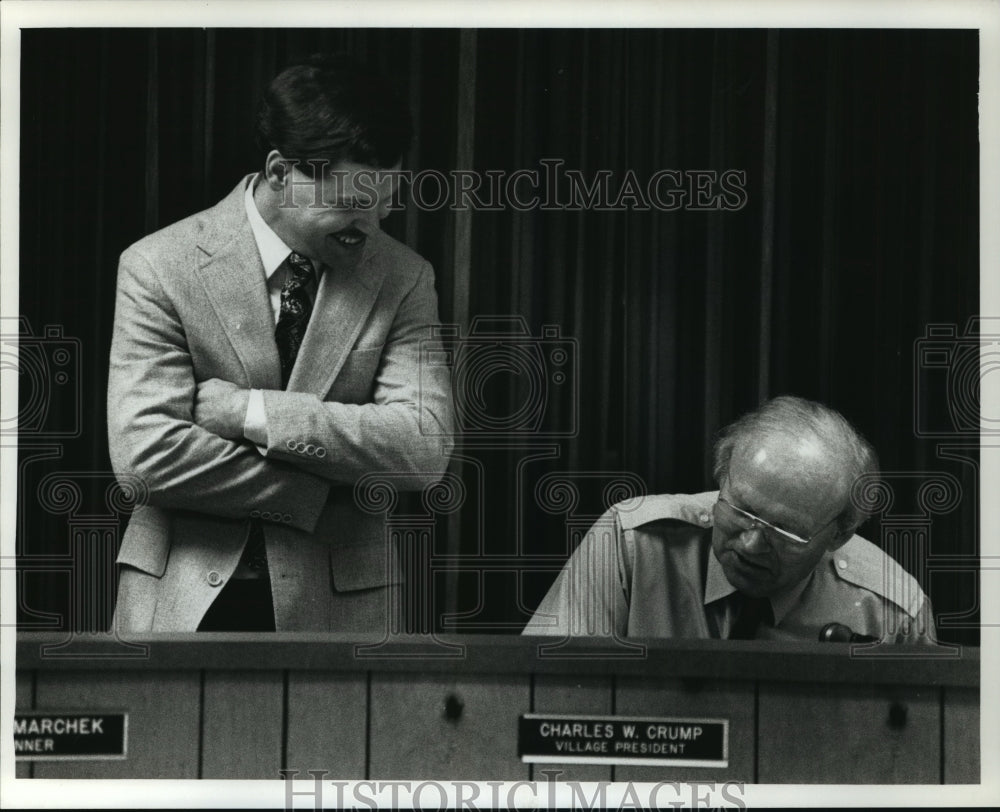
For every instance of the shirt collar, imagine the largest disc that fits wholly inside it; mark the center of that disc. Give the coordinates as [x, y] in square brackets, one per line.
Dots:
[273, 250]
[717, 586]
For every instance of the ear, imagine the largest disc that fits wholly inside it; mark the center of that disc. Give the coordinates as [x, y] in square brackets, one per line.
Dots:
[276, 169]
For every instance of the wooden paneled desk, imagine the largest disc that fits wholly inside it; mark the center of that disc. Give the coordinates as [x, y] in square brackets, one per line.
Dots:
[246, 706]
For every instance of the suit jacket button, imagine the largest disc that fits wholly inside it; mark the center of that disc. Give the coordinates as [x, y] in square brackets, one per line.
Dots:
[321, 452]
[291, 444]
[214, 579]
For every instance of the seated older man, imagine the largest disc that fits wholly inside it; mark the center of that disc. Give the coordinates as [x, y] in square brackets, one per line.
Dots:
[771, 555]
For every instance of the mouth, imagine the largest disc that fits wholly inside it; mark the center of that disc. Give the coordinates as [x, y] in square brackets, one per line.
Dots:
[349, 239]
[752, 567]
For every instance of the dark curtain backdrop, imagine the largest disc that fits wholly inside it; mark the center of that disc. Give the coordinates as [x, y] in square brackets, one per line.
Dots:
[849, 275]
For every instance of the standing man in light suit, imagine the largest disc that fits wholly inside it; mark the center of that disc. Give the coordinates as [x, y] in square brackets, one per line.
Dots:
[266, 355]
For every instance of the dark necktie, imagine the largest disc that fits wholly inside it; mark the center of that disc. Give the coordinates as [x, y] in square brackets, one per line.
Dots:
[294, 315]
[753, 612]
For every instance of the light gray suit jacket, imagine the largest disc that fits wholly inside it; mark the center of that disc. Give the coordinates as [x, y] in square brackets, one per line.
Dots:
[192, 304]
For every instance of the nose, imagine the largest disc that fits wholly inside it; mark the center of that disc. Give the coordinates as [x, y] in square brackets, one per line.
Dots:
[367, 221]
[383, 208]
[752, 541]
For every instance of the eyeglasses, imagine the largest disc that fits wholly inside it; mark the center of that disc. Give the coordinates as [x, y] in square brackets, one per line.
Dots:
[727, 514]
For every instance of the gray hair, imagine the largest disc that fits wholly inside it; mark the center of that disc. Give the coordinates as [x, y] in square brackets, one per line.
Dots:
[794, 416]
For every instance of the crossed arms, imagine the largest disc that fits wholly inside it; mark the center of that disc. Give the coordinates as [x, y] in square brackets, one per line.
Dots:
[159, 424]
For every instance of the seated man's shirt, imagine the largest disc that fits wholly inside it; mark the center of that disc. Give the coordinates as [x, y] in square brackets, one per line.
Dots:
[646, 569]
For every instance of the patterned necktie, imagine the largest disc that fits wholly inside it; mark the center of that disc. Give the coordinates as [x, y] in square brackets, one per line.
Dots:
[294, 315]
[753, 612]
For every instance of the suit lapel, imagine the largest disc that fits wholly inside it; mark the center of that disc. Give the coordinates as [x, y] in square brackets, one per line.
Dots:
[233, 277]
[343, 302]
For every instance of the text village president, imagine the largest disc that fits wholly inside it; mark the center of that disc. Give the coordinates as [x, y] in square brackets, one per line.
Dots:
[265, 356]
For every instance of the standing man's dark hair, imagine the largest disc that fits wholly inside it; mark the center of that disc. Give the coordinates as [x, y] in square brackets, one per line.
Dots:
[330, 108]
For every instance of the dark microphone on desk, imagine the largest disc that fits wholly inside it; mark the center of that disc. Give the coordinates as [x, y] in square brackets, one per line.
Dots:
[839, 633]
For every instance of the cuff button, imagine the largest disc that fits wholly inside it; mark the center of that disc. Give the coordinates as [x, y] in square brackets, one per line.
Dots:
[291, 444]
[214, 578]
[321, 452]
[254, 514]
[287, 517]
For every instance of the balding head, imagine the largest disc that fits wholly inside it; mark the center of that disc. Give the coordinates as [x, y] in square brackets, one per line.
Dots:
[800, 445]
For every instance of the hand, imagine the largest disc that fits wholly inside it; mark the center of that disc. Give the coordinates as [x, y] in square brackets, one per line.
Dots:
[221, 408]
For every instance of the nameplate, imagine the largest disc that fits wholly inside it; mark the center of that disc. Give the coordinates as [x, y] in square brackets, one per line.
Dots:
[641, 740]
[62, 736]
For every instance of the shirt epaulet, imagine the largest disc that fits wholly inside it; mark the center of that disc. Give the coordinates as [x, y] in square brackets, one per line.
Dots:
[861, 563]
[694, 508]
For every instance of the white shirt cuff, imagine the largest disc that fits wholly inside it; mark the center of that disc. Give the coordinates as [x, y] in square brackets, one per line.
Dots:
[255, 422]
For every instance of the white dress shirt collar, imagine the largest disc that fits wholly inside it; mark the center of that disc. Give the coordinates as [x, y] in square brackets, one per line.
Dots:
[273, 250]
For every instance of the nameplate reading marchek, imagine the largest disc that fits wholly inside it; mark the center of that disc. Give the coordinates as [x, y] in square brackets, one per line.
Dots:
[559, 739]
[62, 735]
